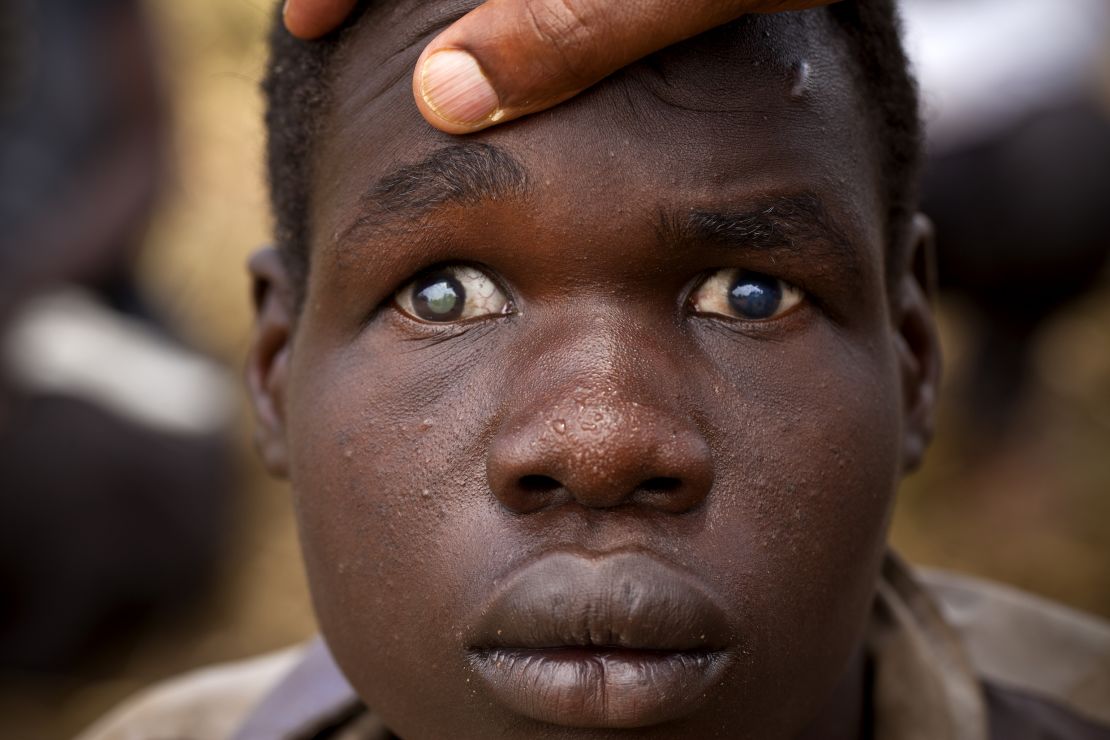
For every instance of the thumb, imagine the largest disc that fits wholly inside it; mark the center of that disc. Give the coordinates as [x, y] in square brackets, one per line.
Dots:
[509, 58]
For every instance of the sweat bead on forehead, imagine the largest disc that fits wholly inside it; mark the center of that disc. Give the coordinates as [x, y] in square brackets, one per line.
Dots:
[621, 375]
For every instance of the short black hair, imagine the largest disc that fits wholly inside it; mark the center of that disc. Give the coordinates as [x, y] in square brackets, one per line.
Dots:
[299, 74]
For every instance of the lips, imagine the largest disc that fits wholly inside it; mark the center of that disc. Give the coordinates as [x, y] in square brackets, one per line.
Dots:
[619, 640]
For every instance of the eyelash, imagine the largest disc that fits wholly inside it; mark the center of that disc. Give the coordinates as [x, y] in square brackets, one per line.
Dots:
[430, 334]
[427, 329]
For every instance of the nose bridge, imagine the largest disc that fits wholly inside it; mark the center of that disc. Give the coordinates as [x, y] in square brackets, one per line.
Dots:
[603, 428]
[611, 362]
[608, 383]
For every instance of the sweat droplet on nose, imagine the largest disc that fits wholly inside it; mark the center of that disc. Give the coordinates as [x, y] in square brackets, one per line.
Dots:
[559, 425]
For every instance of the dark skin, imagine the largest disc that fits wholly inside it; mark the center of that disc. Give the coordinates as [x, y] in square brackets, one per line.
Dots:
[536, 53]
[603, 431]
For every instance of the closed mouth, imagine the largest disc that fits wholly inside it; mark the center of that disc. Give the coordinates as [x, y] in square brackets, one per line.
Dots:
[620, 640]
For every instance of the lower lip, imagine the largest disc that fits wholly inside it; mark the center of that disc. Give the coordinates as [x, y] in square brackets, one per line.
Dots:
[599, 687]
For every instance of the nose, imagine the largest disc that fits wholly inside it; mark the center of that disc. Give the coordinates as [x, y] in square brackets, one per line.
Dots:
[601, 451]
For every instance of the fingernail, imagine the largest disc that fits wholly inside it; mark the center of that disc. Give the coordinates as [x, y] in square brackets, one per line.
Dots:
[455, 88]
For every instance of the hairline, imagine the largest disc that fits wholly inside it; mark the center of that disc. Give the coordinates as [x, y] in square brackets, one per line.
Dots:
[897, 207]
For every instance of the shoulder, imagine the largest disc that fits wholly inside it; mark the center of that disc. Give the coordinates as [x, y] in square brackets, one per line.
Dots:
[207, 703]
[1041, 662]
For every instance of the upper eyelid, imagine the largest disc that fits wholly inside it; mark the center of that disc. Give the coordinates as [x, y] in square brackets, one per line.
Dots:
[701, 279]
[440, 266]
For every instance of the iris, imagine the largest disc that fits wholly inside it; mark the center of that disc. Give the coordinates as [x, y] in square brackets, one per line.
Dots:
[438, 297]
[755, 296]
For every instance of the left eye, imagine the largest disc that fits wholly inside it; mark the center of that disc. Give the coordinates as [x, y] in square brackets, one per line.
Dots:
[452, 293]
[743, 294]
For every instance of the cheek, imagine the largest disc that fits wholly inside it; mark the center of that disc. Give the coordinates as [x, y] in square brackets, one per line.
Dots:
[806, 436]
[807, 445]
[388, 477]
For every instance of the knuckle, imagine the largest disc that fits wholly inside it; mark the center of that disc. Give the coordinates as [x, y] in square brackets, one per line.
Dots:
[563, 27]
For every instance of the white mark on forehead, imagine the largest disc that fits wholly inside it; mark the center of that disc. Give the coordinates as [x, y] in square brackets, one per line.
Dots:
[800, 78]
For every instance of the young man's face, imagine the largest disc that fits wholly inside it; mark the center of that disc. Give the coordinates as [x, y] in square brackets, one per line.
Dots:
[623, 455]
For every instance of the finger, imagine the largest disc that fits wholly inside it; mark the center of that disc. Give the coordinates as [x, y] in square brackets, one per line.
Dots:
[310, 19]
[508, 58]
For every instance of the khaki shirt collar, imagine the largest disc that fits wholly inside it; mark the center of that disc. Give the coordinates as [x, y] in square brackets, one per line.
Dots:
[925, 687]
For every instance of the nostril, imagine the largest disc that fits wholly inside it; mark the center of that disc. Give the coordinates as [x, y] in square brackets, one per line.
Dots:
[670, 494]
[538, 484]
[660, 485]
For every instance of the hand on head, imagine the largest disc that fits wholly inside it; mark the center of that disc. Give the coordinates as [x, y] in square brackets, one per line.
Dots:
[509, 58]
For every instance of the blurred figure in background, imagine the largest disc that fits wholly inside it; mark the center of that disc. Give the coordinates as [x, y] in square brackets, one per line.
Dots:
[1018, 178]
[115, 478]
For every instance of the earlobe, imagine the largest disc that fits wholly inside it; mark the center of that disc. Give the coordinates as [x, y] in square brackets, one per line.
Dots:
[918, 342]
[268, 358]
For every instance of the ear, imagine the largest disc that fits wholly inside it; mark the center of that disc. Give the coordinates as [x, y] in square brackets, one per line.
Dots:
[917, 341]
[268, 357]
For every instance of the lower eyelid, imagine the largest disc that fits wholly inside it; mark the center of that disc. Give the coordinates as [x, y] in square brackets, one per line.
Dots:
[793, 320]
[415, 330]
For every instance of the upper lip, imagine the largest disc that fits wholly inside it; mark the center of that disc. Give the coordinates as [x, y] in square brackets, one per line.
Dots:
[627, 600]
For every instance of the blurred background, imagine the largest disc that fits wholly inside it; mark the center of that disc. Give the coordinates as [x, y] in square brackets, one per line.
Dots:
[138, 535]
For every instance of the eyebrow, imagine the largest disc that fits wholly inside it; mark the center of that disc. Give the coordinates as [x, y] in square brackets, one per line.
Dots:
[792, 223]
[468, 173]
[459, 174]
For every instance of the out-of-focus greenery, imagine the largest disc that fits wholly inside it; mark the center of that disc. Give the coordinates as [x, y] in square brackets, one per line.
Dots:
[1036, 515]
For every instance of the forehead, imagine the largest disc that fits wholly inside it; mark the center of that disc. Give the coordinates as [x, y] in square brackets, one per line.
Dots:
[763, 105]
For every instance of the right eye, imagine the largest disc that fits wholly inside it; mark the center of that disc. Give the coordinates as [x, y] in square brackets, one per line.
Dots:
[452, 293]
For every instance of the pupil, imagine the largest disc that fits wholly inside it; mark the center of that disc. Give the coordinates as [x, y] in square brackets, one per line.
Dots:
[439, 297]
[755, 296]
